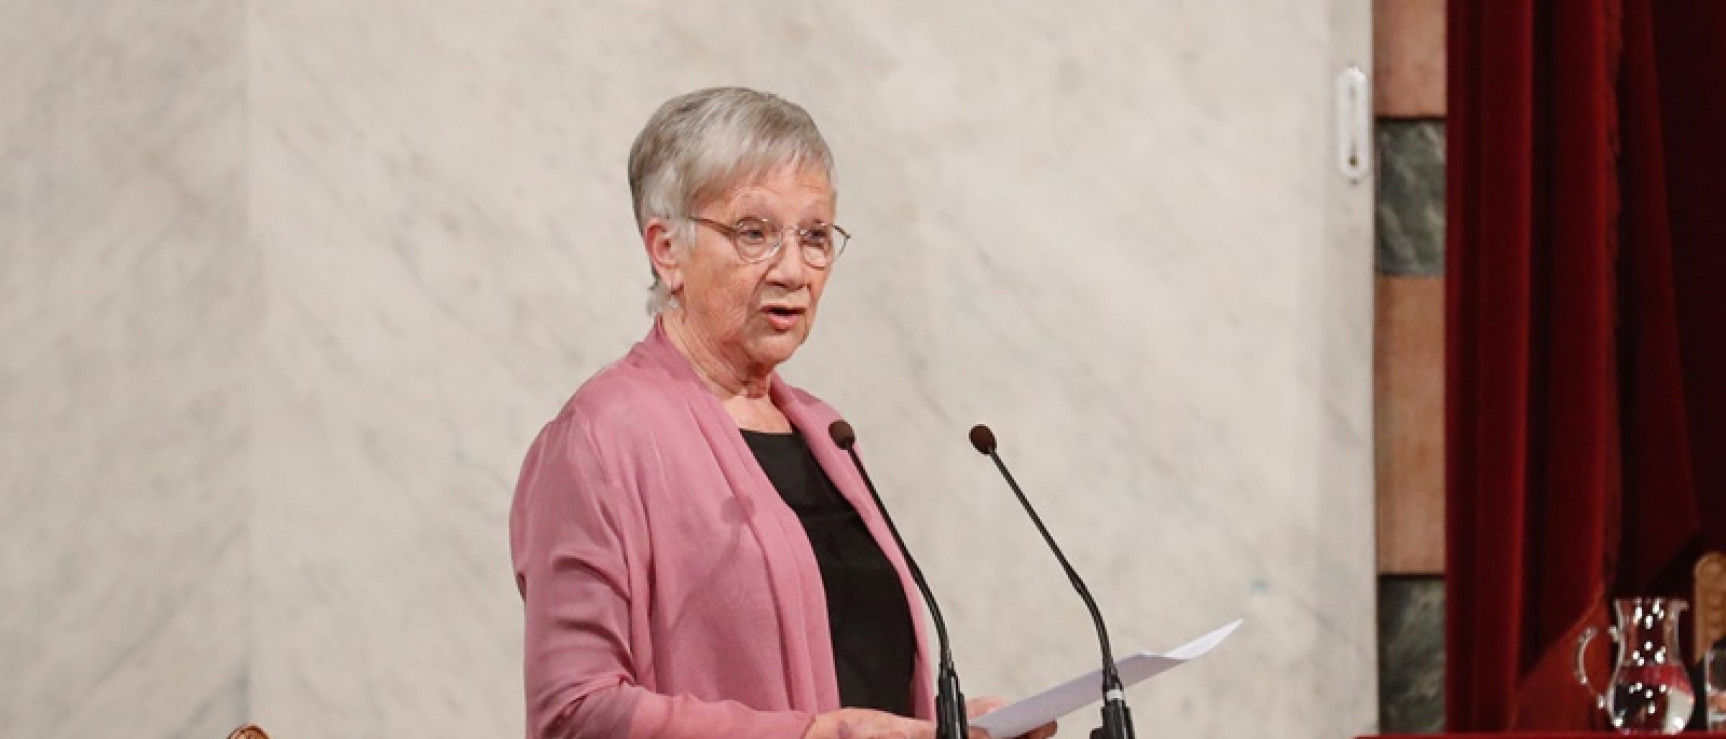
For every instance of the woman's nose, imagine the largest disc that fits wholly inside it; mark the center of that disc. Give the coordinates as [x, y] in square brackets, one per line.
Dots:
[787, 265]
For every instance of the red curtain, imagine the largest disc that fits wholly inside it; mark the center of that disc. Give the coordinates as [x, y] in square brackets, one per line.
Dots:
[1686, 53]
[1586, 350]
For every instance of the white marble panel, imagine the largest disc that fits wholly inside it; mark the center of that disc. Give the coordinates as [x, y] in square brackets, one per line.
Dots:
[1142, 277]
[126, 310]
[1108, 229]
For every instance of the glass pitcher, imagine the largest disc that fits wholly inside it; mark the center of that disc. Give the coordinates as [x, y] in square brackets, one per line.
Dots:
[1650, 692]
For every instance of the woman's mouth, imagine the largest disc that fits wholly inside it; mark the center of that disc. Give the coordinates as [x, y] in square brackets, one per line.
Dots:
[783, 317]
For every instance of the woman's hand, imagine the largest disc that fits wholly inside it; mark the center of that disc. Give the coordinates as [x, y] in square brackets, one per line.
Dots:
[862, 723]
[979, 706]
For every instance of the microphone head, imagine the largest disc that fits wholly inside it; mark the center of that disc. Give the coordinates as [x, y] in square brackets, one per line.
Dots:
[842, 434]
[983, 439]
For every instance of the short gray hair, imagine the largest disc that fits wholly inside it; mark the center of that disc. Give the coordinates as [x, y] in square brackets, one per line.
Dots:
[699, 145]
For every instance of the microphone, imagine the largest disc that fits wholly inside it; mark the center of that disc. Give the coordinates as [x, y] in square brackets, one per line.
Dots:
[1117, 718]
[950, 720]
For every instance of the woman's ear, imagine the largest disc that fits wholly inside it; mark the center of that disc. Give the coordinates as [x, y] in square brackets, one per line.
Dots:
[662, 252]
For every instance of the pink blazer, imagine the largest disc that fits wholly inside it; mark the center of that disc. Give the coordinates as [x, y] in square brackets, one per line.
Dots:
[669, 591]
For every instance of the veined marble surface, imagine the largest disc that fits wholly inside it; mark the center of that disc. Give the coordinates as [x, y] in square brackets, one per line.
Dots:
[398, 235]
[128, 299]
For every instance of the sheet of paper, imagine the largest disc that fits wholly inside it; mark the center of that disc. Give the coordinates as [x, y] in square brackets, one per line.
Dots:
[1086, 689]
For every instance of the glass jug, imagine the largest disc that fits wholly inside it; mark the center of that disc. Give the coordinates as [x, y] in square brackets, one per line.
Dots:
[1650, 692]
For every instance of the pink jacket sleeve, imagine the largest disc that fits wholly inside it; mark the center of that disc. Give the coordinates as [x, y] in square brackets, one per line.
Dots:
[580, 544]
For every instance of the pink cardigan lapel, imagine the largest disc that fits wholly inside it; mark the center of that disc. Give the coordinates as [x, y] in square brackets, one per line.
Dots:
[793, 572]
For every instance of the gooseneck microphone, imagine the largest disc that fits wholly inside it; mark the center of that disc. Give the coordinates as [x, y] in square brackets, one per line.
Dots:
[949, 699]
[1117, 718]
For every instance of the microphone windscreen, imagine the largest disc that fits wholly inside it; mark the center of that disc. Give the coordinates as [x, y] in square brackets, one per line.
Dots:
[983, 439]
[842, 434]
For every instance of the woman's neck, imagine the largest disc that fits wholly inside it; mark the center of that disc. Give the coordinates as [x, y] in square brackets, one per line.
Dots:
[724, 378]
[743, 395]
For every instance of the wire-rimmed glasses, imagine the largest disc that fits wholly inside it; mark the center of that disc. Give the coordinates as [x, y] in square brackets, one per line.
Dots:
[758, 239]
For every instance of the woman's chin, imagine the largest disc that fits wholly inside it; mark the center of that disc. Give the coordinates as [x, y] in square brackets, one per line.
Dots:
[777, 348]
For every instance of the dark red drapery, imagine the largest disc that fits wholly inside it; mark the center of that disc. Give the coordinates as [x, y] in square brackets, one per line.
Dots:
[1586, 347]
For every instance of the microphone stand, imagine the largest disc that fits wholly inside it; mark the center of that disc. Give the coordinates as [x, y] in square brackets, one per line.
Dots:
[950, 720]
[1117, 717]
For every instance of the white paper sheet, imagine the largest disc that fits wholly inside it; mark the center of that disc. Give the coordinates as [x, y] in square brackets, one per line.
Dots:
[1086, 689]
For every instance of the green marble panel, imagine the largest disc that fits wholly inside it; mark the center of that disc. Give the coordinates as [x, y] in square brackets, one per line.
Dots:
[1409, 219]
[1410, 654]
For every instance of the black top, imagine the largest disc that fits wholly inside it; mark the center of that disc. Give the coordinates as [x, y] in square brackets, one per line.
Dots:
[866, 610]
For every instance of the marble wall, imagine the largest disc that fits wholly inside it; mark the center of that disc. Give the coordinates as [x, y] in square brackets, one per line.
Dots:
[129, 304]
[290, 286]
[1411, 654]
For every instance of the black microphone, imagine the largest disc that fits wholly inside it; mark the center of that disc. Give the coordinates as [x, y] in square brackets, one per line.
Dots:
[1117, 718]
[949, 700]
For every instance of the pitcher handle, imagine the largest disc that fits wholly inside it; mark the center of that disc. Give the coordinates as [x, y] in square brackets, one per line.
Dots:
[1582, 668]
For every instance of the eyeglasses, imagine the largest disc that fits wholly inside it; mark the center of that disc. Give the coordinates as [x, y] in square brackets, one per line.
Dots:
[758, 239]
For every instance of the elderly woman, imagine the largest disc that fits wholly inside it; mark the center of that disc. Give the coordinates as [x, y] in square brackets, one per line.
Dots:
[697, 558]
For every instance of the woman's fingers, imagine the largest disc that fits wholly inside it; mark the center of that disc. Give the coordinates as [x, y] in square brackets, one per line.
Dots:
[858, 723]
[986, 704]
[989, 704]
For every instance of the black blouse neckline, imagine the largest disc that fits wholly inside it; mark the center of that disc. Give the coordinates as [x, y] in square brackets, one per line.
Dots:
[868, 617]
